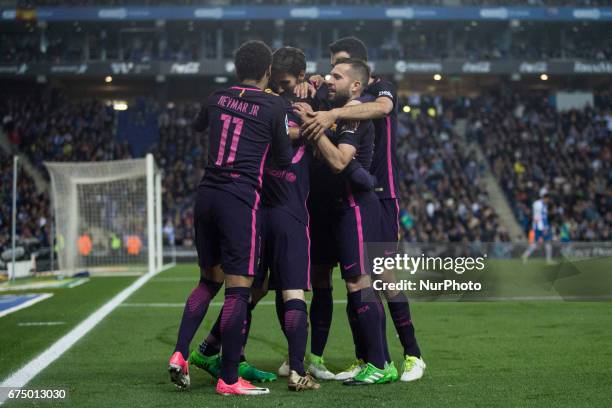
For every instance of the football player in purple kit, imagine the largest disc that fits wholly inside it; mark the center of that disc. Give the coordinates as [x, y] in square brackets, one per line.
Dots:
[352, 219]
[285, 241]
[244, 123]
[286, 248]
[382, 110]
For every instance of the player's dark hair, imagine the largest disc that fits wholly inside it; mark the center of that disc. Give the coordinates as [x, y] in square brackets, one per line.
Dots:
[351, 45]
[360, 70]
[289, 60]
[252, 59]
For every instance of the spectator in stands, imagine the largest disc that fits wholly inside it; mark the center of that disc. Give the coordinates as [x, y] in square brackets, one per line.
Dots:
[530, 145]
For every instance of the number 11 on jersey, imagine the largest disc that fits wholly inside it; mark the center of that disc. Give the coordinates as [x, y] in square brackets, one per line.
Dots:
[227, 121]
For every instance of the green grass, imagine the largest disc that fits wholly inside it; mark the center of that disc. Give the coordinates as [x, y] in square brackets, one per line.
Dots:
[19, 344]
[479, 354]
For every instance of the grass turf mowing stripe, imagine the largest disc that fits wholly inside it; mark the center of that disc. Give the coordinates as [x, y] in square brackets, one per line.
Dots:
[479, 354]
[24, 375]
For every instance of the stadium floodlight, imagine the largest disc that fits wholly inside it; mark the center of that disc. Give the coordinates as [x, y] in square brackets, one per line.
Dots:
[108, 215]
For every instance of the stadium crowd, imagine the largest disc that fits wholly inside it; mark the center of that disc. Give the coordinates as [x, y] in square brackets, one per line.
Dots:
[56, 127]
[181, 154]
[443, 196]
[49, 127]
[531, 146]
[33, 207]
[528, 144]
[142, 43]
[532, 3]
[441, 200]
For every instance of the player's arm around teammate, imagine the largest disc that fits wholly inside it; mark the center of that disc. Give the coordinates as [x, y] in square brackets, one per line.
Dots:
[321, 120]
[383, 112]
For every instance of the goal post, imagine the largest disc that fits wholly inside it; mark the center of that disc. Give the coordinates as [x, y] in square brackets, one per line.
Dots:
[108, 215]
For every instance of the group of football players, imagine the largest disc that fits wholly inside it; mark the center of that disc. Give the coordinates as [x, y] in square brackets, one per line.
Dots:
[301, 175]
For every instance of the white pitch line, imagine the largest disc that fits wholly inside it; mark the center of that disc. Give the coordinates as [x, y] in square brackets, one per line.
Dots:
[28, 324]
[78, 282]
[29, 303]
[25, 374]
[175, 279]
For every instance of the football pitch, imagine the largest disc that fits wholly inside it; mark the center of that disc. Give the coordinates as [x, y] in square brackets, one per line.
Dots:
[478, 354]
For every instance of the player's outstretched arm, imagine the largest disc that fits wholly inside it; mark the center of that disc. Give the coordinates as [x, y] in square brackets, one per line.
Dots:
[377, 109]
[321, 120]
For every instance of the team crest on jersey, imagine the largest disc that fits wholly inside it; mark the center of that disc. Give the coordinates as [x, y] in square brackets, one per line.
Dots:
[287, 124]
[350, 126]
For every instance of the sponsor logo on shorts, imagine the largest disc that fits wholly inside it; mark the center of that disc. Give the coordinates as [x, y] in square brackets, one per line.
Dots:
[363, 309]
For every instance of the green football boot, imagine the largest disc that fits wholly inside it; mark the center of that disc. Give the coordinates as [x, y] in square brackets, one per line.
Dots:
[210, 364]
[371, 375]
[391, 371]
[250, 373]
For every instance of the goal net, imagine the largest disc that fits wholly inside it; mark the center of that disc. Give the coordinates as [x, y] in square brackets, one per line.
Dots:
[107, 215]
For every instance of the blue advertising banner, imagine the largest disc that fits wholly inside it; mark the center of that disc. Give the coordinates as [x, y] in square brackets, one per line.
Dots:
[135, 13]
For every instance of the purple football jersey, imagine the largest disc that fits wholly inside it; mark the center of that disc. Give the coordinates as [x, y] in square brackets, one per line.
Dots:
[384, 161]
[244, 123]
[287, 189]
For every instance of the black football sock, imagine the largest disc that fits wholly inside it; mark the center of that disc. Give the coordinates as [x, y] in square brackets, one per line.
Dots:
[400, 313]
[233, 328]
[321, 310]
[296, 330]
[360, 347]
[370, 324]
[212, 345]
